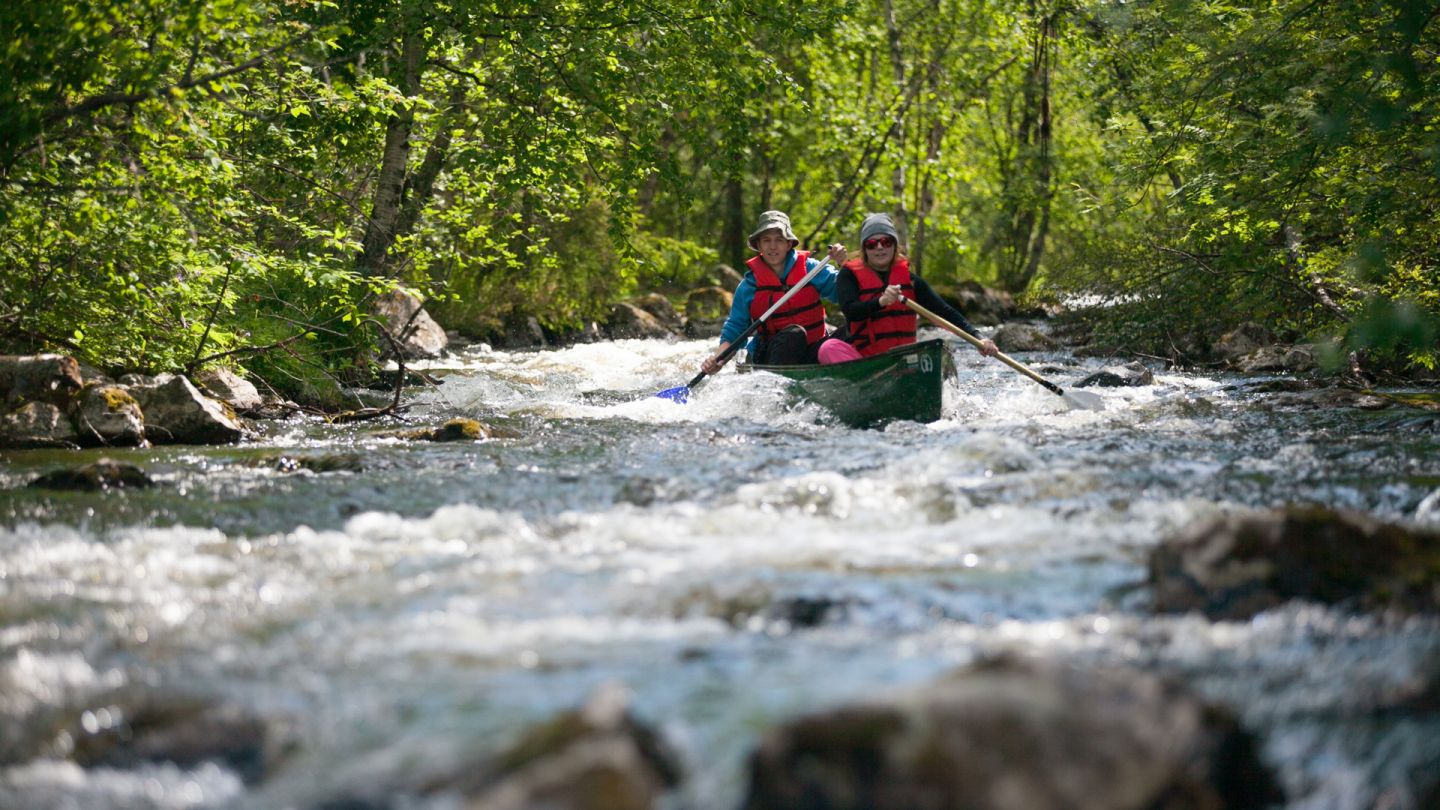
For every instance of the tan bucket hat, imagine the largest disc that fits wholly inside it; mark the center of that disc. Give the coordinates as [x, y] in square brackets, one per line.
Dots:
[772, 221]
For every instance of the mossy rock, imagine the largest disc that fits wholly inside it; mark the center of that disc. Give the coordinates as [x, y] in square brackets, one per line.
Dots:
[460, 429]
[102, 475]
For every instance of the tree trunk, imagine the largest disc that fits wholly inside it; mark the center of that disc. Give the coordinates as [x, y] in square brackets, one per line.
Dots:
[381, 230]
[1025, 221]
[733, 236]
[897, 177]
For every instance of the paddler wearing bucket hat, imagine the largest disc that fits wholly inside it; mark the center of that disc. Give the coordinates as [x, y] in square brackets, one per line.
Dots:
[793, 333]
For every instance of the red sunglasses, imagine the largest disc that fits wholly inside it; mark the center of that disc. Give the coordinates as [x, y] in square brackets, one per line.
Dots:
[879, 242]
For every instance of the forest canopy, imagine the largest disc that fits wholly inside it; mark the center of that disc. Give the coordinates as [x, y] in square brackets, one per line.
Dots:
[189, 182]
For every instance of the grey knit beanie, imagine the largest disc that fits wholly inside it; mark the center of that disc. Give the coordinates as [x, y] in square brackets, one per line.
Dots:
[875, 225]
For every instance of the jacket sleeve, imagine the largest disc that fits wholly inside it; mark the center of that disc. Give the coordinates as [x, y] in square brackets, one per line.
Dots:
[739, 318]
[926, 297]
[825, 281]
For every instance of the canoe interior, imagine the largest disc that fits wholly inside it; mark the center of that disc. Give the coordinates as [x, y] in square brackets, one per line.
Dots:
[904, 383]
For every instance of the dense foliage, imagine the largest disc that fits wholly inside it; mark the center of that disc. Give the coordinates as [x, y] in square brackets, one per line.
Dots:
[187, 180]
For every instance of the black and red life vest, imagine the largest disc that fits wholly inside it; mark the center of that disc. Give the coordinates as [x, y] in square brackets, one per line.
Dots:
[803, 308]
[890, 327]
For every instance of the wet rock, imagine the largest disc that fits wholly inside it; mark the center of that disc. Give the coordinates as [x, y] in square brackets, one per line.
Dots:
[660, 307]
[1015, 735]
[51, 378]
[1235, 566]
[181, 731]
[177, 413]
[109, 415]
[37, 424]
[417, 333]
[1330, 398]
[630, 321]
[705, 311]
[101, 475]
[1278, 358]
[725, 277]
[460, 429]
[330, 462]
[1302, 357]
[230, 388]
[599, 757]
[520, 333]
[1243, 340]
[982, 305]
[1131, 374]
[1429, 509]
[1019, 337]
[1265, 358]
[806, 611]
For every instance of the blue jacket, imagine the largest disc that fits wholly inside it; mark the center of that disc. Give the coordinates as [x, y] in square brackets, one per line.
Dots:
[739, 319]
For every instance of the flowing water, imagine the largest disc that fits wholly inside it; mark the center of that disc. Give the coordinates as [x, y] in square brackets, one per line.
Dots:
[732, 562]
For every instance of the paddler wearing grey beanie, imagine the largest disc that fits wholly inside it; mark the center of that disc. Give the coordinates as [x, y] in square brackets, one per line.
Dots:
[869, 289]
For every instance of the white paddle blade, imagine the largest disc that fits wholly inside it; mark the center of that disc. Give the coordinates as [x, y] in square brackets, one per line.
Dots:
[1084, 400]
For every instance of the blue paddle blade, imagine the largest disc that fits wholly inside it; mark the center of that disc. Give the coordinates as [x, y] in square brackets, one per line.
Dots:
[680, 394]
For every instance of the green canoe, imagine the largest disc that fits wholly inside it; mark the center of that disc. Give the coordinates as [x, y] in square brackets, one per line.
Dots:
[903, 383]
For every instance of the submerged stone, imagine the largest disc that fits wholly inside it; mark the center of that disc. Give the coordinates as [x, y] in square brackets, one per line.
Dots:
[1235, 566]
[181, 731]
[1015, 735]
[102, 475]
[1131, 374]
[1019, 337]
[460, 429]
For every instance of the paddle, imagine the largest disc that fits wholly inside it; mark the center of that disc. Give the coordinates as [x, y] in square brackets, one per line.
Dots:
[1077, 399]
[681, 393]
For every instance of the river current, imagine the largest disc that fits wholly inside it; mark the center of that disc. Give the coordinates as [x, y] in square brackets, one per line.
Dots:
[733, 562]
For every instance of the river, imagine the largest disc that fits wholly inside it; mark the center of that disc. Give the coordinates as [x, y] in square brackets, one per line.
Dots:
[732, 562]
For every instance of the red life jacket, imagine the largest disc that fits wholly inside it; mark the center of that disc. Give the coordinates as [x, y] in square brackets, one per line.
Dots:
[890, 327]
[803, 308]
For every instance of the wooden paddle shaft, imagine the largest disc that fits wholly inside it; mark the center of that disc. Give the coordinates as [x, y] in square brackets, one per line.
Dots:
[758, 322]
[1003, 357]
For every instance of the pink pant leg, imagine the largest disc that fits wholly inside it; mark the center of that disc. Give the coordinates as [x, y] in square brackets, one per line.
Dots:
[837, 351]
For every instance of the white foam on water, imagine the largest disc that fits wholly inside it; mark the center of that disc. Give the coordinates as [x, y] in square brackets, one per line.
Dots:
[57, 785]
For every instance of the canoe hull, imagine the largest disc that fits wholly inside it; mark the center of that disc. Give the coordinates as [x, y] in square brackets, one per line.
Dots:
[903, 384]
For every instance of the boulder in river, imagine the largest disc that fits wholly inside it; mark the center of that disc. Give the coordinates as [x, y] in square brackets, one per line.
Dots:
[630, 321]
[101, 475]
[459, 429]
[598, 757]
[230, 388]
[660, 307]
[1243, 340]
[982, 305]
[412, 327]
[1234, 566]
[109, 415]
[51, 378]
[1011, 734]
[1428, 511]
[1131, 374]
[1019, 337]
[183, 731]
[705, 311]
[37, 424]
[177, 413]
